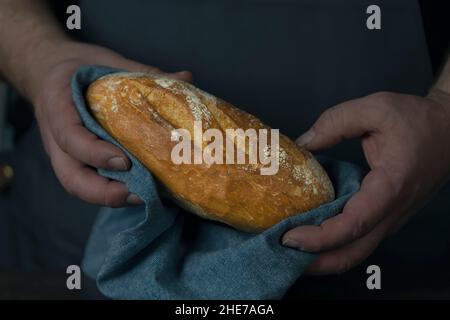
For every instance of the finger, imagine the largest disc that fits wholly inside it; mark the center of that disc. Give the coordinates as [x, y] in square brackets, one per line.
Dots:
[360, 215]
[350, 119]
[44, 130]
[343, 259]
[84, 183]
[73, 138]
[89, 149]
[134, 66]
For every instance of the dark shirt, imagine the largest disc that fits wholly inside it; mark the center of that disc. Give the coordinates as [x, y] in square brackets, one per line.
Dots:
[285, 61]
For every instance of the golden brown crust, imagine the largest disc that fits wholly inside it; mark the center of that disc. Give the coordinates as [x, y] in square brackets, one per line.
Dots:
[140, 111]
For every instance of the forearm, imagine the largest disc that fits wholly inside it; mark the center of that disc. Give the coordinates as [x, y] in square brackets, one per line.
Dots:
[29, 33]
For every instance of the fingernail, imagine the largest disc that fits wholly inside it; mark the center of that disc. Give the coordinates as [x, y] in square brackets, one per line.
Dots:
[134, 199]
[291, 243]
[305, 138]
[117, 163]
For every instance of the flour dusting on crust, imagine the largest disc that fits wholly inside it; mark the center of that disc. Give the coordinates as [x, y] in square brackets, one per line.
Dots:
[198, 108]
[191, 93]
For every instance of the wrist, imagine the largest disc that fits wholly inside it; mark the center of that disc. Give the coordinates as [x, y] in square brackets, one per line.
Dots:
[28, 35]
[63, 56]
[45, 54]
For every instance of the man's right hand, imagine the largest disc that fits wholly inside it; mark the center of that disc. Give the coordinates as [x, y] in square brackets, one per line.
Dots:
[75, 152]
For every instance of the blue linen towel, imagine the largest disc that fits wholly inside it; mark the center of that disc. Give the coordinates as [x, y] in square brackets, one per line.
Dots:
[160, 251]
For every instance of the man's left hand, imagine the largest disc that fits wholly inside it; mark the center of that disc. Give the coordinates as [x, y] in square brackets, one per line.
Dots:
[406, 142]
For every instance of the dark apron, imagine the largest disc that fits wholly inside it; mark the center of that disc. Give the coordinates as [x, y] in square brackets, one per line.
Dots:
[285, 61]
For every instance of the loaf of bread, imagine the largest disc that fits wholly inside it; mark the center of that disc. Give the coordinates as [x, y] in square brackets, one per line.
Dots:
[141, 112]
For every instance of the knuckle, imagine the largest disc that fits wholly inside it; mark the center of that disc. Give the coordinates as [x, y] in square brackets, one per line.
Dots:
[61, 138]
[383, 102]
[92, 151]
[70, 189]
[316, 245]
[114, 204]
[67, 178]
[38, 110]
[111, 198]
[92, 156]
[107, 199]
[320, 242]
[383, 107]
[188, 76]
[149, 69]
[382, 97]
[344, 265]
[360, 228]
[68, 184]
[330, 118]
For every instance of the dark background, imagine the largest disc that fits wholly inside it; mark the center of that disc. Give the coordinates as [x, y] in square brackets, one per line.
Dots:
[398, 280]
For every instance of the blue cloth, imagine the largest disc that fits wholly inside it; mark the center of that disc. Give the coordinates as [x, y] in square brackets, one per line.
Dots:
[160, 251]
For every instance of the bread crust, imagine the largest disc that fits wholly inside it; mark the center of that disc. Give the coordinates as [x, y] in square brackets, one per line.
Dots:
[140, 111]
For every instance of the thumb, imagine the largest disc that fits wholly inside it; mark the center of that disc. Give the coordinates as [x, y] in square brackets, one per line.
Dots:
[135, 66]
[350, 119]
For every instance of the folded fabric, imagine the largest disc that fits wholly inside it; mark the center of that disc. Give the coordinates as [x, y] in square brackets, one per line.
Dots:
[160, 251]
